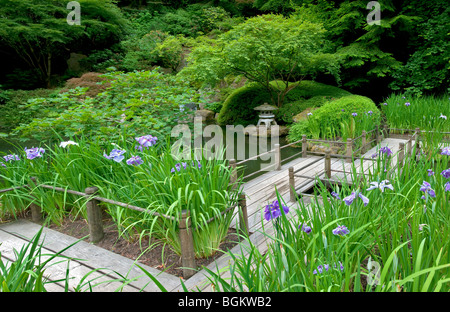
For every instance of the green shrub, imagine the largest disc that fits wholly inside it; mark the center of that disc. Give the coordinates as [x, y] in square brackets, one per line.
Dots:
[308, 89]
[13, 111]
[335, 119]
[238, 107]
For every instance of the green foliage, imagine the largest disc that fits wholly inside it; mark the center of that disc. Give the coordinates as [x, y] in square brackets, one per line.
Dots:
[263, 49]
[381, 56]
[171, 51]
[38, 32]
[134, 102]
[199, 185]
[12, 106]
[404, 235]
[238, 106]
[424, 112]
[141, 53]
[428, 68]
[307, 94]
[334, 119]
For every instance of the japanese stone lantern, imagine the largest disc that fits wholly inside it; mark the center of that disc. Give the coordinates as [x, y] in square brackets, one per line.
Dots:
[266, 115]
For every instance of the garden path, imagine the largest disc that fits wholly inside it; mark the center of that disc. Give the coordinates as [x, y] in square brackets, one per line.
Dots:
[109, 266]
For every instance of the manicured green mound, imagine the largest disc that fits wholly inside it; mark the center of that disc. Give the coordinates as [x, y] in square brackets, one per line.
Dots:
[239, 105]
[335, 119]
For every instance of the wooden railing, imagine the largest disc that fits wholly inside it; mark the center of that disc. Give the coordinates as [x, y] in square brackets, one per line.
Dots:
[327, 169]
[276, 151]
[96, 231]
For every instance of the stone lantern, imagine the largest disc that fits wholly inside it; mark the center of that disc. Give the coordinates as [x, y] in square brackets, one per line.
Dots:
[266, 115]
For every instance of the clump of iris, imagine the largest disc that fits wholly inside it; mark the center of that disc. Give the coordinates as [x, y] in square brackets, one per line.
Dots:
[178, 166]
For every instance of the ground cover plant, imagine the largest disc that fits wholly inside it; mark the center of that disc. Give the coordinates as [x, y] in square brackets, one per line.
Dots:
[139, 171]
[132, 101]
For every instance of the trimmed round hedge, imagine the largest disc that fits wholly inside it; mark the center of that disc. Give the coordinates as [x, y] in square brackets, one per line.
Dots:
[335, 119]
[239, 105]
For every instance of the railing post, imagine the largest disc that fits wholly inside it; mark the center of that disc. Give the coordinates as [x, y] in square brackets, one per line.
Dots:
[277, 157]
[291, 184]
[304, 147]
[363, 142]
[417, 138]
[328, 164]
[377, 134]
[233, 176]
[94, 216]
[187, 245]
[401, 155]
[36, 213]
[409, 148]
[385, 131]
[243, 216]
[349, 149]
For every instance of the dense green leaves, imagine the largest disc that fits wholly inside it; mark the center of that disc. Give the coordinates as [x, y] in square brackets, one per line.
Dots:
[136, 102]
[38, 32]
[263, 49]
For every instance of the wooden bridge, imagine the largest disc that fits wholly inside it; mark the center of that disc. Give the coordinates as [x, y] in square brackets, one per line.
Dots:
[294, 178]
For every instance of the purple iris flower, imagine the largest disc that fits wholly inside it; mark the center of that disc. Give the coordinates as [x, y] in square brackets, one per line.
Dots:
[407, 104]
[11, 157]
[349, 199]
[447, 187]
[116, 155]
[430, 172]
[321, 267]
[446, 173]
[340, 265]
[382, 185]
[135, 161]
[273, 210]
[354, 114]
[386, 150]
[199, 165]
[305, 228]
[177, 167]
[445, 151]
[146, 141]
[341, 230]
[34, 152]
[370, 112]
[335, 195]
[426, 187]
[385, 104]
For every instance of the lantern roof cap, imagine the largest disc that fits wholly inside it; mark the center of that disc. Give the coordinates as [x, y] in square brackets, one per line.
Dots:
[265, 107]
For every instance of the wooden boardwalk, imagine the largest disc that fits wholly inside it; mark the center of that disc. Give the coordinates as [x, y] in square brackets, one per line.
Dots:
[109, 266]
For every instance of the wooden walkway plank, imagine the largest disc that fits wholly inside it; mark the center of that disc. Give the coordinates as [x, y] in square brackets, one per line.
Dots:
[96, 257]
